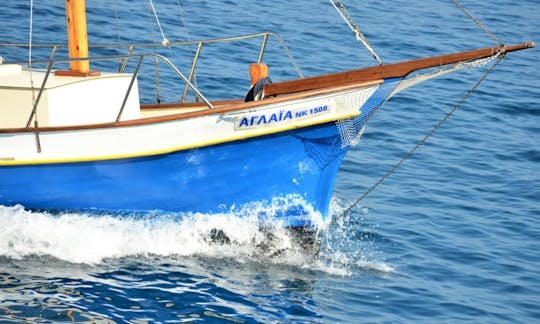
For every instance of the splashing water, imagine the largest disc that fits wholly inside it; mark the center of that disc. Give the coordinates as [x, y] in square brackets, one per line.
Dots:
[240, 235]
[86, 238]
[347, 247]
[78, 266]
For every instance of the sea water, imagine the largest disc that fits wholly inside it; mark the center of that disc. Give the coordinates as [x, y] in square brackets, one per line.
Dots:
[452, 235]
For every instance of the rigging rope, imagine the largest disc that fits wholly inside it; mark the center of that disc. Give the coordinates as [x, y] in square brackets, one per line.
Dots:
[344, 13]
[426, 137]
[117, 28]
[153, 32]
[181, 13]
[165, 41]
[477, 22]
[188, 37]
[116, 24]
[30, 50]
[30, 38]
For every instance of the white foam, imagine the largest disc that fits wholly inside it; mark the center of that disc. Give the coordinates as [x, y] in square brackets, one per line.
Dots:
[341, 253]
[90, 239]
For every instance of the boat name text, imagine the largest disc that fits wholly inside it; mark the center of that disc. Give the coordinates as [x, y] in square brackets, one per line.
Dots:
[256, 120]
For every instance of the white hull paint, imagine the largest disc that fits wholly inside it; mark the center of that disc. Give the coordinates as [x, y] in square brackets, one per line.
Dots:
[151, 138]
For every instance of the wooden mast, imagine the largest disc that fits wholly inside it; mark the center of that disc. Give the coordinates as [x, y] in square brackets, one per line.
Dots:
[77, 39]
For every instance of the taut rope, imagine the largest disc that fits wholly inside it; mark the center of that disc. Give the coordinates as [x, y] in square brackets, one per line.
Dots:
[344, 13]
[425, 139]
[165, 41]
[477, 22]
[443, 120]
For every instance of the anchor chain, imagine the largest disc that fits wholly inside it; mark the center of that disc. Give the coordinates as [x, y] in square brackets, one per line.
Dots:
[424, 140]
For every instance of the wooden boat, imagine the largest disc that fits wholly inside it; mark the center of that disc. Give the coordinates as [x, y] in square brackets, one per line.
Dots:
[79, 139]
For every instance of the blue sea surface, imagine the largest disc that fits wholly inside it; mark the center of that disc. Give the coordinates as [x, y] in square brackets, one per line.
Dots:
[453, 235]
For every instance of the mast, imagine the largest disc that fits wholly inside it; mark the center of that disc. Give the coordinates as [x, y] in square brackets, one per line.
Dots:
[77, 39]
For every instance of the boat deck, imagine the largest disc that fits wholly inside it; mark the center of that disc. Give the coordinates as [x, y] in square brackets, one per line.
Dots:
[158, 110]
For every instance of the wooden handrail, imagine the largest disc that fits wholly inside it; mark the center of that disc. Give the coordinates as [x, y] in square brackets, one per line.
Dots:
[394, 70]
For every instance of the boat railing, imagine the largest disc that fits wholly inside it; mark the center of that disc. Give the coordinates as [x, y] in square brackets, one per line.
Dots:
[54, 61]
[190, 80]
[199, 46]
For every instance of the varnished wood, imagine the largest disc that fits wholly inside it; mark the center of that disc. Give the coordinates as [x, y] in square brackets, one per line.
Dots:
[298, 89]
[77, 35]
[75, 73]
[188, 105]
[395, 70]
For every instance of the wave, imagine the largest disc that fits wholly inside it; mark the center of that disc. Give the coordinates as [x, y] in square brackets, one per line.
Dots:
[91, 238]
[240, 235]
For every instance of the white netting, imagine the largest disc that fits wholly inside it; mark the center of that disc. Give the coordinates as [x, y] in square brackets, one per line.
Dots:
[351, 129]
[418, 78]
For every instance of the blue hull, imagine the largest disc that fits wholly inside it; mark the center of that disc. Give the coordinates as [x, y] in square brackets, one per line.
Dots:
[296, 165]
[208, 180]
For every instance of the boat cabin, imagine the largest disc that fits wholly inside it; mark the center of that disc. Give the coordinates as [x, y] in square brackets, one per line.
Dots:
[65, 100]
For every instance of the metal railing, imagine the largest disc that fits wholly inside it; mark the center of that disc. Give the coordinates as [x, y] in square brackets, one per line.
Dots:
[132, 48]
[53, 61]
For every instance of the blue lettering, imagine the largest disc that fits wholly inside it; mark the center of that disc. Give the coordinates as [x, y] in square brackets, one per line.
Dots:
[243, 122]
[283, 115]
[301, 113]
[288, 115]
[262, 120]
[273, 118]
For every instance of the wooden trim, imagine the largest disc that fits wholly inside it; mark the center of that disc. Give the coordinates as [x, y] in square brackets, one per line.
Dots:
[177, 105]
[76, 73]
[394, 70]
[235, 105]
[301, 88]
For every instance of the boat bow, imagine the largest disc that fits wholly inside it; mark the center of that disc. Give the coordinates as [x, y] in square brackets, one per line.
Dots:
[94, 147]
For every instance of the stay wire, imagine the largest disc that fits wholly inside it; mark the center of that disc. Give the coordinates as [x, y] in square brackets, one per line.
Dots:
[181, 14]
[344, 13]
[186, 31]
[477, 22]
[30, 39]
[165, 41]
[425, 139]
[150, 22]
[117, 29]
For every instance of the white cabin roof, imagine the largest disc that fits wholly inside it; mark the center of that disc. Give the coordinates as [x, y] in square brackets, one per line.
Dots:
[15, 76]
[66, 100]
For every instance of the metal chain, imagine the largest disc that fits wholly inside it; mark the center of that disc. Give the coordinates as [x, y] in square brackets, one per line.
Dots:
[477, 22]
[424, 140]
